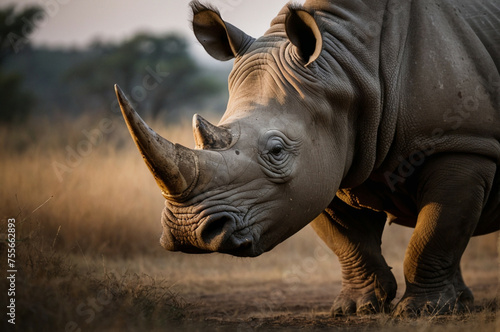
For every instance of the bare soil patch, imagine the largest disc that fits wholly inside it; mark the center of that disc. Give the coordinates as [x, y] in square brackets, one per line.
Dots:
[296, 291]
[245, 305]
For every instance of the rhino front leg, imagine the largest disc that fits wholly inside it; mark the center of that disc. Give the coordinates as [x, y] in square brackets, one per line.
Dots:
[452, 191]
[354, 235]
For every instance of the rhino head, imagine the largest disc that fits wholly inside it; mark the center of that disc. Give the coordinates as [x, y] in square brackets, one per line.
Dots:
[279, 153]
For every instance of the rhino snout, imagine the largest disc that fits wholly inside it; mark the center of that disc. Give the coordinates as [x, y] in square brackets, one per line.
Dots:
[215, 233]
[215, 230]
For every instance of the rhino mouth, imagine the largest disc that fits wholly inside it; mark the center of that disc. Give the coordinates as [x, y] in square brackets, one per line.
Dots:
[215, 232]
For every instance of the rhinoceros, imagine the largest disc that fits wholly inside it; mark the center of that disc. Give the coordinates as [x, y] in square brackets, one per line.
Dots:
[346, 114]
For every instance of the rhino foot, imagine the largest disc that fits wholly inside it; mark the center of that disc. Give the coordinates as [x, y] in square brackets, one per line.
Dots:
[367, 301]
[465, 296]
[434, 304]
[362, 304]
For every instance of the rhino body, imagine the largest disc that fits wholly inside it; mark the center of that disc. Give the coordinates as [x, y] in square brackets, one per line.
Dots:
[349, 114]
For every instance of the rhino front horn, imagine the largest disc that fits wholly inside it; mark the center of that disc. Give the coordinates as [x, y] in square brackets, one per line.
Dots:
[174, 166]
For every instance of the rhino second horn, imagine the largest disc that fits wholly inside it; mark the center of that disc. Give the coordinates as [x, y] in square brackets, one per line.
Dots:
[174, 166]
[208, 136]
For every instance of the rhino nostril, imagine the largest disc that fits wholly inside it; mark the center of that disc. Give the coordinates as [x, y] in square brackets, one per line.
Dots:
[214, 228]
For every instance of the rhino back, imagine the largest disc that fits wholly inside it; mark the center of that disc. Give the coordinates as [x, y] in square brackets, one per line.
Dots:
[427, 72]
[446, 94]
[484, 19]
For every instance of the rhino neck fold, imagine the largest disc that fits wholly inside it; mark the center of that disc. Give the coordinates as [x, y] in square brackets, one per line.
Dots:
[360, 33]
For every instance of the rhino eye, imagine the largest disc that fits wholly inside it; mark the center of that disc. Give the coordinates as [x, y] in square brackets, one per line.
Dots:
[277, 157]
[276, 150]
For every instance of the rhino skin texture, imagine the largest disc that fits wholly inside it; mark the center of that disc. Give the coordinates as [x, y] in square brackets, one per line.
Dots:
[348, 114]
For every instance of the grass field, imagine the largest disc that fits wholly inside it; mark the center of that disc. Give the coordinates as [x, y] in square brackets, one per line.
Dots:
[87, 253]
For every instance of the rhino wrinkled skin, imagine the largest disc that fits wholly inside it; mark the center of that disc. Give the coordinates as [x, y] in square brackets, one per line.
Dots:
[348, 114]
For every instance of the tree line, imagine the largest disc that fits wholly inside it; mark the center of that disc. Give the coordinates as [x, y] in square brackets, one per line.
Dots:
[158, 71]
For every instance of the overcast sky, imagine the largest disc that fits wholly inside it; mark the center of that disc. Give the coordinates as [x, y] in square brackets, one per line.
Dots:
[77, 22]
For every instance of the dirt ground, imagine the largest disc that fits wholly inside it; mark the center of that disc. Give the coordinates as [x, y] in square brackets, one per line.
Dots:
[253, 306]
[296, 291]
[290, 288]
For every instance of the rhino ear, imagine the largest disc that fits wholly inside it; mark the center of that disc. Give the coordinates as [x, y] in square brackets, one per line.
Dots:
[305, 34]
[221, 40]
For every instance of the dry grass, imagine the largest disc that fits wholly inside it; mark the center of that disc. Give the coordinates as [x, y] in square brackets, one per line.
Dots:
[54, 294]
[91, 232]
[104, 201]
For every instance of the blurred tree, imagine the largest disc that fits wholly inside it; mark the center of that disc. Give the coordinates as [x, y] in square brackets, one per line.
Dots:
[157, 71]
[15, 103]
[15, 28]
